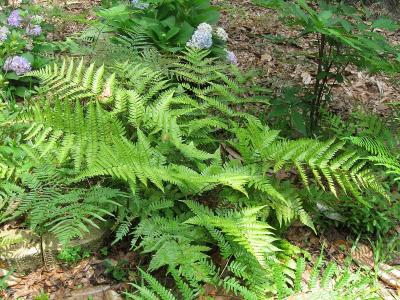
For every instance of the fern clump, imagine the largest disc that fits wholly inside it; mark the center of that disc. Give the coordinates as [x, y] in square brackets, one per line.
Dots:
[50, 204]
[171, 160]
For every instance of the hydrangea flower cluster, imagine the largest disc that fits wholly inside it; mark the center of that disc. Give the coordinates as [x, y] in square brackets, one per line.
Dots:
[18, 64]
[139, 4]
[201, 38]
[33, 30]
[14, 19]
[221, 34]
[230, 55]
[3, 33]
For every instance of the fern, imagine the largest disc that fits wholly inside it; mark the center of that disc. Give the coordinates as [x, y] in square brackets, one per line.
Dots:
[195, 67]
[166, 134]
[332, 285]
[300, 268]
[50, 206]
[157, 290]
[328, 274]
[327, 163]
[68, 131]
[185, 289]
[242, 227]
[74, 81]
[315, 272]
[380, 155]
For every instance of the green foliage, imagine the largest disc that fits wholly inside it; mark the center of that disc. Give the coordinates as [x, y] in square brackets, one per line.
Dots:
[181, 247]
[72, 255]
[332, 283]
[3, 280]
[167, 24]
[118, 270]
[73, 81]
[18, 42]
[42, 296]
[71, 211]
[326, 163]
[242, 227]
[177, 163]
[344, 38]
[379, 155]
[66, 131]
[168, 150]
[136, 121]
[151, 289]
[288, 112]
[376, 140]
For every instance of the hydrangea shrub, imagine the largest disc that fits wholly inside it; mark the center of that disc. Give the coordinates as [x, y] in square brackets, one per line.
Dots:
[172, 25]
[169, 24]
[22, 43]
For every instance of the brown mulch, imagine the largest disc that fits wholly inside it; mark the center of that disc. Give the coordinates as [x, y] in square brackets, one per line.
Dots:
[88, 276]
[64, 27]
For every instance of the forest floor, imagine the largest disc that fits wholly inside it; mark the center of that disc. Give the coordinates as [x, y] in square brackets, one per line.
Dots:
[260, 41]
[279, 64]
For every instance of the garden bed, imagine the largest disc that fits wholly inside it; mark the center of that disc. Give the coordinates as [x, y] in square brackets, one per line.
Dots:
[206, 173]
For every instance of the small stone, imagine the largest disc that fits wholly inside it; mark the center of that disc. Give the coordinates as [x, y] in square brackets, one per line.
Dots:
[112, 295]
[96, 292]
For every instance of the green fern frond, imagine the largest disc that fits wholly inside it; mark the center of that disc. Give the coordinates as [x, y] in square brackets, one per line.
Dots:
[65, 131]
[152, 290]
[300, 268]
[232, 284]
[243, 227]
[74, 82]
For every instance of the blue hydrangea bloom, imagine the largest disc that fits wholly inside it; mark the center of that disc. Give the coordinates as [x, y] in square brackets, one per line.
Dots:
[3, 33]
[201, 38]
[34, 30]
[139, 4]
[14, 19]
[230, 55]
[17, 64]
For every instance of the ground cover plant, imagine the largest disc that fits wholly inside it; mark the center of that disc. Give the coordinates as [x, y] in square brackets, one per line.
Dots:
[165, 146]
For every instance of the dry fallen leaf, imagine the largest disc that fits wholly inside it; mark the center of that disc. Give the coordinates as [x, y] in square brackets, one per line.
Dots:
[306, 77]
[266, 57]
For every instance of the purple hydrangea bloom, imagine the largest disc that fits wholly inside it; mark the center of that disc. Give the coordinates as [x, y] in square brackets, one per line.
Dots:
[14, 19]
[3, 33]
[230, 55]
[201, 38]
[139, 4]
[18, 64]
[34, 30]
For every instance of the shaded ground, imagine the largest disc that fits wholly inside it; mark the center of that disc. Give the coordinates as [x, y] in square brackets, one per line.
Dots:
[283, 64]
[91, 277]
